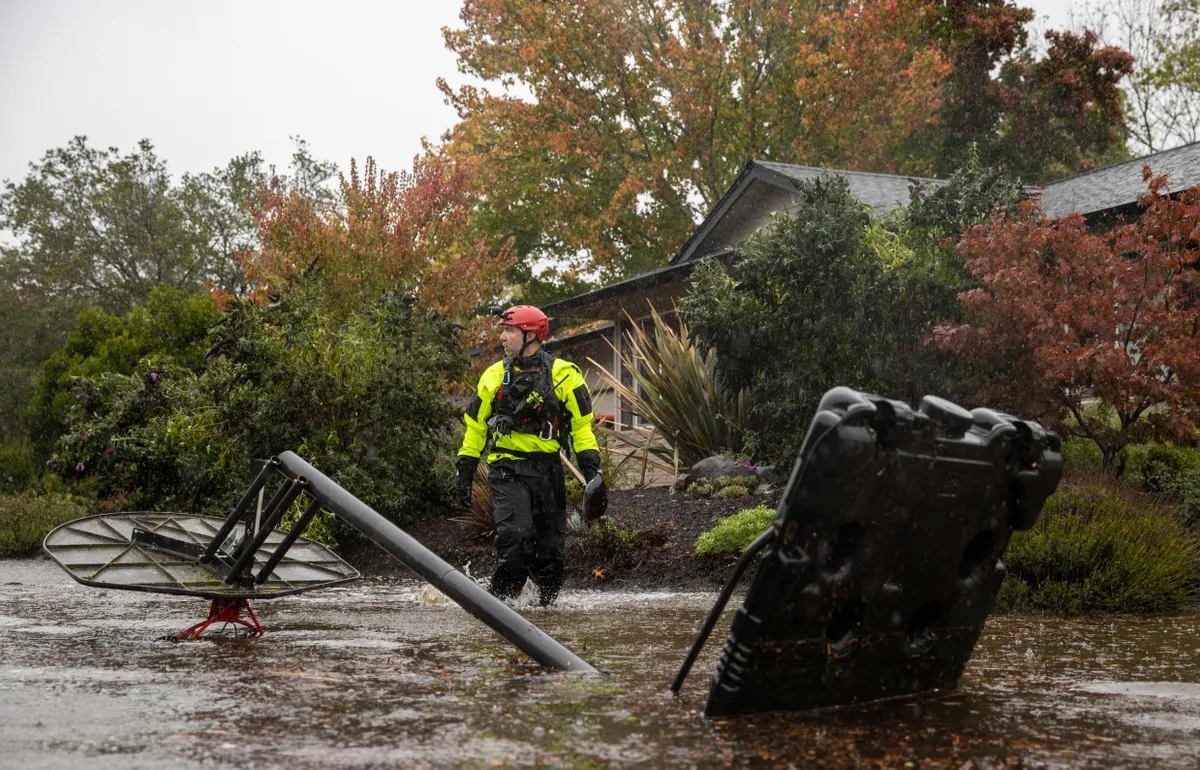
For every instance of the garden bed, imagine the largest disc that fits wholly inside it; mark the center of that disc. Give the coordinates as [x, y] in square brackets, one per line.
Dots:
[649, 544]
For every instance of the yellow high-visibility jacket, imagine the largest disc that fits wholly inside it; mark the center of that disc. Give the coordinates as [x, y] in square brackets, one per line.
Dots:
[572, 393]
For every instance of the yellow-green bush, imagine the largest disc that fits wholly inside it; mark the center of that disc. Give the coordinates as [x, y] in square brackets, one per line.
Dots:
[733, 534]
[25, 519]
[1100, 546]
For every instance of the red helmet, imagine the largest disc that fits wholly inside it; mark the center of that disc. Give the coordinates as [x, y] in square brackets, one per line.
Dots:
[527, 318]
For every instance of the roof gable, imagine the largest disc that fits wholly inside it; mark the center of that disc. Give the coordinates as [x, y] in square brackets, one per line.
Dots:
[766, 188]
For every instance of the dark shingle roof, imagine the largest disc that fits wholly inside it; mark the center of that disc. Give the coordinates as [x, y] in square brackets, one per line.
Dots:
[1121, 184]
[882, 192]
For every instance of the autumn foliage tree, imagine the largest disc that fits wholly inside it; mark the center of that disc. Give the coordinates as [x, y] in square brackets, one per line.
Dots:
[401, 232]
[607, 128]
[1065, 316]
[1040, 115]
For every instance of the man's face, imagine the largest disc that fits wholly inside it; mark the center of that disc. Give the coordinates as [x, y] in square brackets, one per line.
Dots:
[511, 339]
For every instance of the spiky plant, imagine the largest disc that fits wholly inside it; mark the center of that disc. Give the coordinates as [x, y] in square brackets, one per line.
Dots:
[675, 388]
[479, 518]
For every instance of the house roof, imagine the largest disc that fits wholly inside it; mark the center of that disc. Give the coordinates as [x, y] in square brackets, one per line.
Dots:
[883, 192]
[641, 282]
[577, 334]
[766, 187]
[1120, 184]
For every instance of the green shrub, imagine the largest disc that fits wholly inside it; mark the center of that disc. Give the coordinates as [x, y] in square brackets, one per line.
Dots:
[734, 534]
[18, 469]
[1081, 454]
[614, 546]
[323, 528]
[1100, 546]
[363, 400]
[1167, 469]
[26, 519]
[575, 490]
[832, 295]
[172, 324]
[716, 487]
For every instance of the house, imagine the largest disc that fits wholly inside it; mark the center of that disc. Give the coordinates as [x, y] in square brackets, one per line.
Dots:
[765, 189]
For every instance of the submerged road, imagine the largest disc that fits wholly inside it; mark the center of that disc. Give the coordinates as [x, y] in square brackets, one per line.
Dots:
[383, 674]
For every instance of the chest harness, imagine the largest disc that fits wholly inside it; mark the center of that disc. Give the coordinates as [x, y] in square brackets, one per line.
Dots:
[526, 401]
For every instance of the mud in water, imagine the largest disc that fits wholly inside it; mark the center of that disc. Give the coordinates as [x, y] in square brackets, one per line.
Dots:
[383, 674]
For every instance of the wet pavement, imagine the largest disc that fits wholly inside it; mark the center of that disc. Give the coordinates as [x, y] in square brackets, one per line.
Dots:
[382, 674]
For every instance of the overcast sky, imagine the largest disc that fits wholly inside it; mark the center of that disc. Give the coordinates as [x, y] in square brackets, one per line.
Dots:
[208, 80]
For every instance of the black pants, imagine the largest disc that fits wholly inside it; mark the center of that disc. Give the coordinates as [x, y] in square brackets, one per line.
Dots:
[531, 524]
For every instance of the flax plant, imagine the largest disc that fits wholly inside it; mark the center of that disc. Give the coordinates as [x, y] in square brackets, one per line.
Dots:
[675, 387]
[479, 518]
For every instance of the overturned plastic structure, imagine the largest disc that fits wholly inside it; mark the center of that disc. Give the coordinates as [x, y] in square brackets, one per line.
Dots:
[884, 557]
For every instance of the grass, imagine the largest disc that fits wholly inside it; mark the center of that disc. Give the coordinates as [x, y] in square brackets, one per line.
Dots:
[1101, 546]
[26, 518]
[733, 534]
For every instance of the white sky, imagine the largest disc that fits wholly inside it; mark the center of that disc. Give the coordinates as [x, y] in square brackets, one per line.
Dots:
[209, 80]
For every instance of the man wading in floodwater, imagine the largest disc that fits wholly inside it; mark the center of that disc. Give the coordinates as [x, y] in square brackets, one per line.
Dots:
[528, 405]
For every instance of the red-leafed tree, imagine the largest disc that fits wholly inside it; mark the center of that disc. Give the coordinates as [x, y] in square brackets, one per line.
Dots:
[1065, 316]
[389, 232]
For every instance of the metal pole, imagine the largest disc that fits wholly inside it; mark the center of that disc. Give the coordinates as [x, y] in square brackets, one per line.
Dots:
[288, 493]
[247, 536]
[219, 539]
[466, 592]
[281, 550]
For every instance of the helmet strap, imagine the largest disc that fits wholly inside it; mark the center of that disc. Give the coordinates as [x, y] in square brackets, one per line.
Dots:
[526, 342]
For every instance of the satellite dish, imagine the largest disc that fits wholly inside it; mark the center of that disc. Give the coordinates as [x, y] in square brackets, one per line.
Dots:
[162, 553]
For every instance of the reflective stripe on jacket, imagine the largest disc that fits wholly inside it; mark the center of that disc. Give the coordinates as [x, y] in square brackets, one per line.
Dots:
[572, 392]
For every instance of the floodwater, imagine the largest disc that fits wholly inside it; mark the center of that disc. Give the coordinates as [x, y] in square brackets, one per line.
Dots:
[375, 674]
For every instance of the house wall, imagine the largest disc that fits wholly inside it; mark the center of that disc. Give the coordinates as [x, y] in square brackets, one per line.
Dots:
[757, 205]
[598, 348]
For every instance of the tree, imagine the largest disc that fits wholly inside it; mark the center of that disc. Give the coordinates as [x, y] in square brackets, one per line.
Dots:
[1038, 116]
[1064, 111]
[1064, 316]
[172, 324]
[792, 316]
[605, 130]
[976, 36]
[103, 228]
[390, 232]
[616, 125]
[1163, 92]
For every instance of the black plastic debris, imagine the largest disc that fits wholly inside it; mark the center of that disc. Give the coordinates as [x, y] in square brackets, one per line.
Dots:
[886, 554]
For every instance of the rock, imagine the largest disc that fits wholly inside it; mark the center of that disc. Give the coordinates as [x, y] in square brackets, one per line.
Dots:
[715, 467]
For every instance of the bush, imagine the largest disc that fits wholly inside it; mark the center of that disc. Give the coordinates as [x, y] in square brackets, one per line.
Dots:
[18, 469]
[27, 518]
[363, 400]
[734, 534]
[1102, 547]
[836, 296]
[1167, 469]
[172, 324]
[611, 545]
[716, 487]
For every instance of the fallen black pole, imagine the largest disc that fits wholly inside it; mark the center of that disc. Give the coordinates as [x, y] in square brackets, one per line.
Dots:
[466, 592]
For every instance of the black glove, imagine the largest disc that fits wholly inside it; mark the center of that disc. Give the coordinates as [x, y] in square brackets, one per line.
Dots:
[589, 463]
[465, 478]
